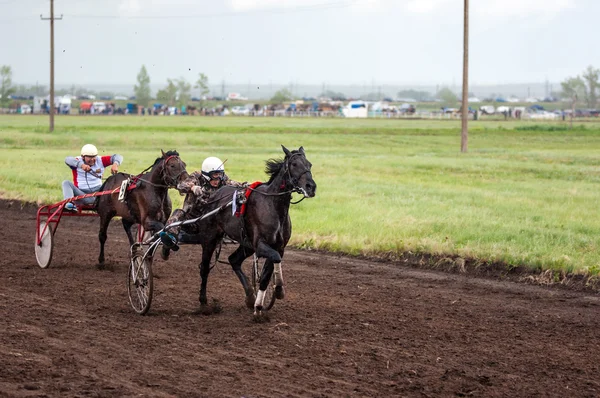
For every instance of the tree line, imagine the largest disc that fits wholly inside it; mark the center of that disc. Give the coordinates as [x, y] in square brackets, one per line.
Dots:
[584, 88]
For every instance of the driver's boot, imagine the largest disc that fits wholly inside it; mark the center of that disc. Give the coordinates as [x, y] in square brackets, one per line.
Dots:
[169, 242]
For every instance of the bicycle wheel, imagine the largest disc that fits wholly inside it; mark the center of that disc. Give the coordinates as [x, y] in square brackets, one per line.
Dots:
[139, 283]
[43, 251]
[270, 292]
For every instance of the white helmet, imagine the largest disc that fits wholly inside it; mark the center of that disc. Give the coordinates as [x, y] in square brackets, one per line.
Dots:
[210, 165]
[89, 150]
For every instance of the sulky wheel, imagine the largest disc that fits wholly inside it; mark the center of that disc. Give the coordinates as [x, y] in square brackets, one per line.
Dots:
[139, 283]
[43, 251]
[270, 292]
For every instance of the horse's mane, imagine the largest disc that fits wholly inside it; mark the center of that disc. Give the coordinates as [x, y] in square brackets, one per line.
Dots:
[274, 166]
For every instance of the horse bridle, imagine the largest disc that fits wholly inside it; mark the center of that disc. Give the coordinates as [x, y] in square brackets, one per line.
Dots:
[171, 181]
[294, 181]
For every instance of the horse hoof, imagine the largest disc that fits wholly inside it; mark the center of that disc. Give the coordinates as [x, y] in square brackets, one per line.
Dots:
[260, 315]
[250, 299]
[279, 292]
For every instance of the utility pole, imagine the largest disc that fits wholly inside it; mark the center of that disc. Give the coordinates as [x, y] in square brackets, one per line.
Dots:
[51, 19]
[464, 137]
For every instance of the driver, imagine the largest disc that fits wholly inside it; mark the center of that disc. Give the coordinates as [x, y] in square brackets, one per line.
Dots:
[87, 174]
[198, 187]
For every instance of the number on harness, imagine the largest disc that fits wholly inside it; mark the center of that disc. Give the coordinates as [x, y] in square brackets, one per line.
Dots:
[123, 190]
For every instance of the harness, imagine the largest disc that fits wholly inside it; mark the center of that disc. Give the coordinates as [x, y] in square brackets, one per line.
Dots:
[250, 189]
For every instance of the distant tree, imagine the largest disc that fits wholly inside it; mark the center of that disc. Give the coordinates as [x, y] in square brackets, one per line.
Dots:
[39, 90]
[168, 95]
[142, 89]
[414, 94]
[334, 95]
[372, 96]
[590, 77]
[573, 88]
[20, 89]
[281, 96]
[183, 92]
[6, 88]
[448, 98]
[202, 84]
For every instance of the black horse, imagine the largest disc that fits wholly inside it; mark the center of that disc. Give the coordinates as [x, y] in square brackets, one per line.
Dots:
[265, 227]
[147, 204]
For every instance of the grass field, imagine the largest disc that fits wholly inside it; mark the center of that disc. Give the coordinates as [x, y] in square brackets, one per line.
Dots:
[524, 194]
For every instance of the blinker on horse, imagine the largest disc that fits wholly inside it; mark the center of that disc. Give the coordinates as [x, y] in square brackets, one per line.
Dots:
[264, 229]
[147, 204]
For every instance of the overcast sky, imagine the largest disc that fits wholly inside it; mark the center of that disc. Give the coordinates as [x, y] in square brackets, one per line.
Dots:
[300, 41]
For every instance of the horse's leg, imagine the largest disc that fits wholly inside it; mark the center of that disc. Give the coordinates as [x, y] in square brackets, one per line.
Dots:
[278, 271]
[273, 261]
[127, 227]
[207, 252]
[236, 259]
[104, 220]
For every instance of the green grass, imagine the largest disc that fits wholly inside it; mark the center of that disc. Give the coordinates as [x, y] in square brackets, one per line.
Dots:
[525, 194]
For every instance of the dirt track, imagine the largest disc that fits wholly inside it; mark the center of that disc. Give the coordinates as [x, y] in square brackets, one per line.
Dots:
[347, 327]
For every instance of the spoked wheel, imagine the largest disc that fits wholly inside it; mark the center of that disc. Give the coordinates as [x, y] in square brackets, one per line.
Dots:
[257, 269]
[43, 251]
[139, 283]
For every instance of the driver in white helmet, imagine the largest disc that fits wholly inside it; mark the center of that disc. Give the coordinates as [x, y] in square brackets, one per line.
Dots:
[87, 172]
[198, 187]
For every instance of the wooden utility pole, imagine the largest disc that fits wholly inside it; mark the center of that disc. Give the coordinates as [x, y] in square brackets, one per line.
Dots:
[51, 19]
[464, 137]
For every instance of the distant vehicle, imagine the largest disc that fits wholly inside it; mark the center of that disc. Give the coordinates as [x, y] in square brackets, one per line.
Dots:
[487, 110]
[408, 109]
[120, 98]
[474, 99]
[356, 109]
[99, 107]
[236, 97]
[502, 109]
[195, 99]
[500, 99]
[85, 107]
[240, 111]
[537, 114]
[105, 97]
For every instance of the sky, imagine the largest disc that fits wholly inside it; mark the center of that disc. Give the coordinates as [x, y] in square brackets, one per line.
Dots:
[403, 42]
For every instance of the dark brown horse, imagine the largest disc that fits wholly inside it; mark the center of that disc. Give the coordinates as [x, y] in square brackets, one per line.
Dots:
[147, 204]
[264, 229]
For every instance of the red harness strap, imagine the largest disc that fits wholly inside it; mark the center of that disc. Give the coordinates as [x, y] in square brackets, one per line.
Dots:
[242, 210]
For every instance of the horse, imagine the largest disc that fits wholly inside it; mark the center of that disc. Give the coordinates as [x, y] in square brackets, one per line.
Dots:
[147, 203]
[265, 227]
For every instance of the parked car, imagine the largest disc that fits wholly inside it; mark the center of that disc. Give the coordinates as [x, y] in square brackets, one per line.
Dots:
[240, 111]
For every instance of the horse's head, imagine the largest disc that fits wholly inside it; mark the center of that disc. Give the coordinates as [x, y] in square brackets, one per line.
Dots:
[173, 169]
[298, 171]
